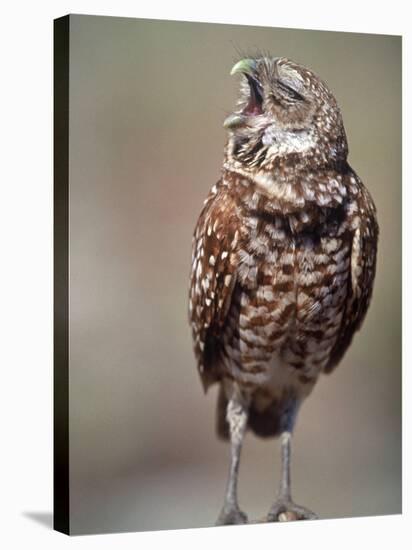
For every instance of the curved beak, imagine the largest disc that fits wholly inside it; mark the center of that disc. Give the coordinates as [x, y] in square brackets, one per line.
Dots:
[244, 66]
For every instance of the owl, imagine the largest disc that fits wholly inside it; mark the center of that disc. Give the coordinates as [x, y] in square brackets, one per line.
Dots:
[283, 263]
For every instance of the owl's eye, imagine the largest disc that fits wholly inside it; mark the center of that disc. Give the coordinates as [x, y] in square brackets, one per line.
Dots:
[289, 92]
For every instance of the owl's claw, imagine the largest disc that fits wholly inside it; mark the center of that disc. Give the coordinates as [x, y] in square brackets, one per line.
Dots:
[286, 510]
[231, 515]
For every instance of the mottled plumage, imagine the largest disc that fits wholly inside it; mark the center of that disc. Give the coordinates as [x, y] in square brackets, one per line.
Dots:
[284, 254]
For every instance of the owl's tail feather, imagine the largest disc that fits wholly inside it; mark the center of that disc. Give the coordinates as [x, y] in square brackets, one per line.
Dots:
[267, 423]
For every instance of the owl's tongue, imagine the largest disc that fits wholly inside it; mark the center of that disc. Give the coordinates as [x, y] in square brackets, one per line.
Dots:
[254, 106]
[253, 109]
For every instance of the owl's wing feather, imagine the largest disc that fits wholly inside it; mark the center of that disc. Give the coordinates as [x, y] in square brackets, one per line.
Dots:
[363, 266]
[213, 278]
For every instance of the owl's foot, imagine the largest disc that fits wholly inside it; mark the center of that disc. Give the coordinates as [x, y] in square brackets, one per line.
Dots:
[284, 509]
[231, 515]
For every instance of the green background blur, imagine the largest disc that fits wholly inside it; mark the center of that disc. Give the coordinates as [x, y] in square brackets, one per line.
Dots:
[147, 102]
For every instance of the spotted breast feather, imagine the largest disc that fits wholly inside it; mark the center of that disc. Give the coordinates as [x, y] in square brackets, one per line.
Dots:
[275, 298]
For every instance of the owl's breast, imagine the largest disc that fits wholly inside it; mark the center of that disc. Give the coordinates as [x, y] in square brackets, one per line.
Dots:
[288, 304]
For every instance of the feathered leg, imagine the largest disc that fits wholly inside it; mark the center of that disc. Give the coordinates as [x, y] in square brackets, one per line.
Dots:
[236, 415]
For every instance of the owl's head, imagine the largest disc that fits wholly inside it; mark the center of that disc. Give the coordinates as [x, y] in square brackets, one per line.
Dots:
[284, 112]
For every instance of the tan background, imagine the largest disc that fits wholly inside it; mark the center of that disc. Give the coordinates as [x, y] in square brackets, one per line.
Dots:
[147, 101]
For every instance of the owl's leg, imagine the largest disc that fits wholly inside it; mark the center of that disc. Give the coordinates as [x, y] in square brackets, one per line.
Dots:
[284, 509]
[237, 415]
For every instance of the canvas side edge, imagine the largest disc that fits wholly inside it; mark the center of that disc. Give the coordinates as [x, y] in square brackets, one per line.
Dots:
[61, 479]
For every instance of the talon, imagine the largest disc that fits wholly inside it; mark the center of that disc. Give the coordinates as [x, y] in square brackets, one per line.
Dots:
[288, 516]
[287, 510]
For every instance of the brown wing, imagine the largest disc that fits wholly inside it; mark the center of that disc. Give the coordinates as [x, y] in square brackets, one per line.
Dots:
[365, 231]
[213, 277]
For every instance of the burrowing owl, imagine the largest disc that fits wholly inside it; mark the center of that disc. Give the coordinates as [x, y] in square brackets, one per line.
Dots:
[284, 256]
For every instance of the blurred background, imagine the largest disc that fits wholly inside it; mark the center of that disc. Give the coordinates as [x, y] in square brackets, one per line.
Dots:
[147, 102]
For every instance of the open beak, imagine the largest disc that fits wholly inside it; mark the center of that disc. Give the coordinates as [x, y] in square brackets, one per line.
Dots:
[247, 67]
